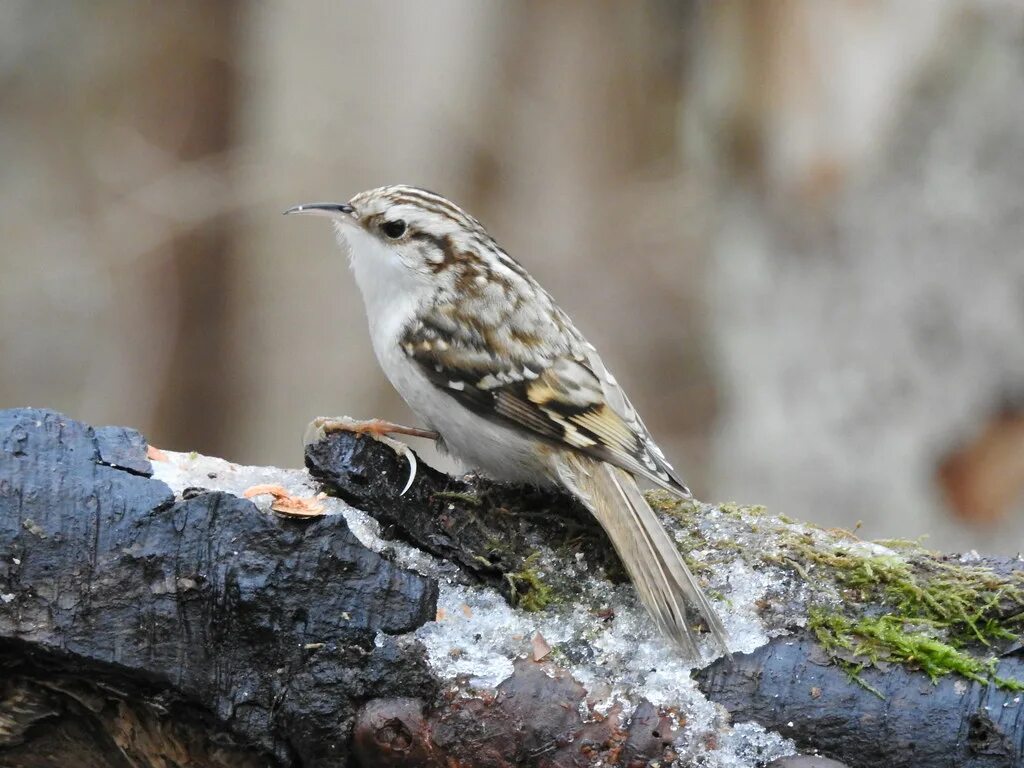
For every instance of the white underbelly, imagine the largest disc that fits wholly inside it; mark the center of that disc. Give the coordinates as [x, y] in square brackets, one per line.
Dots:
[485, 446]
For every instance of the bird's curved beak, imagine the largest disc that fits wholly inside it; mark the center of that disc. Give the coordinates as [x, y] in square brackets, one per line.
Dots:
[323, 209]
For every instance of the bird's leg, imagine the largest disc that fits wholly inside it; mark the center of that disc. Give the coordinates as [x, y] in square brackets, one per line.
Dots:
[325, 425]
[378, 429]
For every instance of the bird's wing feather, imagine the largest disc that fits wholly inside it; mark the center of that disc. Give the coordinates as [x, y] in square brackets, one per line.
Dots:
[558, 390]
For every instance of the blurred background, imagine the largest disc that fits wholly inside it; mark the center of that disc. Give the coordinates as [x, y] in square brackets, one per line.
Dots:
[795, 229]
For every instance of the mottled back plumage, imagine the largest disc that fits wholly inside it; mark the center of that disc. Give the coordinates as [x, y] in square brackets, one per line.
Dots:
[487, 359]
[494, 340]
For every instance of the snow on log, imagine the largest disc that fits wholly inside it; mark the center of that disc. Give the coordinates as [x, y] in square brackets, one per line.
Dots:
[172, 609]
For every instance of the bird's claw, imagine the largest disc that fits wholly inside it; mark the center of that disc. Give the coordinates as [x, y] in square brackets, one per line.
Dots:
[410, 456]
[322, 426]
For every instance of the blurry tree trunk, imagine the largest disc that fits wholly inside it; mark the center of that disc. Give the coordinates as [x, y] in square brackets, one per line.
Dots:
[114, 121]
[586, 184]
[865, 259]
[195, 70]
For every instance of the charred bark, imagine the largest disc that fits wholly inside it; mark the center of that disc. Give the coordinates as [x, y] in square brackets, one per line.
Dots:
[199, 629]
[142, 627]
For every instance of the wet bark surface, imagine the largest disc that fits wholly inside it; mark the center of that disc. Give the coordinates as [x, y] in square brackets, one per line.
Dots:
[138, 629]
[489, 529]
[533, 718]
[791, 686]
[251, 634]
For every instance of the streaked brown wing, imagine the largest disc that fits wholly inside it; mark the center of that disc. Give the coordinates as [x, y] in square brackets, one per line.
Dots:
[553, 393]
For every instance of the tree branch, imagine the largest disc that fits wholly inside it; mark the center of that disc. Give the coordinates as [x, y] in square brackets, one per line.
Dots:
[152, 615]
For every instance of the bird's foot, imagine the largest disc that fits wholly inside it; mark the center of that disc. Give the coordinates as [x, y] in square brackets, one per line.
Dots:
[378, 429]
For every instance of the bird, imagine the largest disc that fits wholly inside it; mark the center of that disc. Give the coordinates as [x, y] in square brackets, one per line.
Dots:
[505, 382]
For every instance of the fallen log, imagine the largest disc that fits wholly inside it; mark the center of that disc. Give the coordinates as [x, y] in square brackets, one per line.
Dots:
[151, 614]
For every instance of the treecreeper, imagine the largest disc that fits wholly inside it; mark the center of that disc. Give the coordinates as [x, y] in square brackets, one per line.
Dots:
[504, 381]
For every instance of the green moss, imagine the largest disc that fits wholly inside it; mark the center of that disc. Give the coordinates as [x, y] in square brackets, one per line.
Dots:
[901, 545]
[529, 592]
[687, 513]
[966, 603]
[695, 566]
[663, 501]
[890, 638]
[938, 617]
[907, 606]
[498, 547]
[853, 671]
[742, 510]
[483, 561]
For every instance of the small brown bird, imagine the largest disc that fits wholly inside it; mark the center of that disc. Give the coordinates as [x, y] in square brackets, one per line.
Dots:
[505, 382]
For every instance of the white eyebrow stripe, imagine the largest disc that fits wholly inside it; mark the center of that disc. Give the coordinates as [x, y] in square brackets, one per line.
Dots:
[435, 203]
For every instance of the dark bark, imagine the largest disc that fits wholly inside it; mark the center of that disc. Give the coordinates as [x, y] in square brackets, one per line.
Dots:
[533, 718]
[792, 687]
[138, 630]
[232, 636]
[489, 529]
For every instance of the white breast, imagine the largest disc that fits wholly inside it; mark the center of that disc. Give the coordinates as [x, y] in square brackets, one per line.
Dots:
[392, 295]
[481, 444]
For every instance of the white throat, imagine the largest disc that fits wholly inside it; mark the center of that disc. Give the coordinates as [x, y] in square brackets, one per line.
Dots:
[391, 291]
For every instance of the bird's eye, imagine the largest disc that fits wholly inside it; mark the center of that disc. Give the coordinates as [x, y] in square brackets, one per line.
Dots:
[394, 229]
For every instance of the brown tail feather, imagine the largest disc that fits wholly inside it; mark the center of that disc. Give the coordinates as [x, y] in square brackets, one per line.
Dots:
[661, 578]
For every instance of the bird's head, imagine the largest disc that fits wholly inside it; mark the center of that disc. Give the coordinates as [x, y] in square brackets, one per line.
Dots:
[406, 239]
